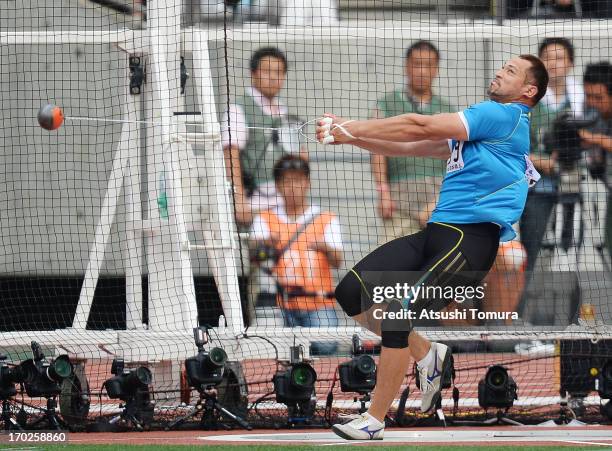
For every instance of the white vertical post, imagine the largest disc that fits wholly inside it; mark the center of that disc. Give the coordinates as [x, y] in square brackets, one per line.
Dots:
[133, 248]
[222, 228]
[171, 286]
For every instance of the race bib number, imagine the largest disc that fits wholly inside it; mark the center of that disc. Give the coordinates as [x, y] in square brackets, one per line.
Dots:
[455, 162]
[533, 176]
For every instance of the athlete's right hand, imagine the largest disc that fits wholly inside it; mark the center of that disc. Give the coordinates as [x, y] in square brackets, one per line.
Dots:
[330, 133]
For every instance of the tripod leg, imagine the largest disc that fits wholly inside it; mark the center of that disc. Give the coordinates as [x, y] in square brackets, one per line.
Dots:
[10, 423]
[229, 414]
[510, 421]
[135, 421]
[14, 425]
[54, 422]
[182, 419]
[116, 419]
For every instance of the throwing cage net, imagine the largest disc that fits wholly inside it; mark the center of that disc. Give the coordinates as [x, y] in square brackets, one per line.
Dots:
[153, 207]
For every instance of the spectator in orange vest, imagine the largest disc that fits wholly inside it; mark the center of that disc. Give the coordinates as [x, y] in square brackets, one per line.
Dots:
[307, 243]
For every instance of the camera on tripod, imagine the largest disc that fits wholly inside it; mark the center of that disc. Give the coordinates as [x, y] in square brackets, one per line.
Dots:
[210, 374]
[127, 383]
[294, 386]
[42, 377]
[497, 389]
[358, 374]
[207, 367]
[9, 376]
[132, 387]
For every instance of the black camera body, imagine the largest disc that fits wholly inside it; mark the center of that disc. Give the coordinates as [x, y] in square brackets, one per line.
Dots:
[296, 384]
[358, 374]
[9, 376]
[127, 382]
[563, 138]
[132, 387]
[497, 389]
[41, 377]
[207, 368]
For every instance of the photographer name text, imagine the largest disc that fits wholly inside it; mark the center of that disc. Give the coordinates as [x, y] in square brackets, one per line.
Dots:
[457, 314]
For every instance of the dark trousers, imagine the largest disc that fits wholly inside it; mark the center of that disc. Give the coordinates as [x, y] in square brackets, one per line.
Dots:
[609, 225]
[534, 222]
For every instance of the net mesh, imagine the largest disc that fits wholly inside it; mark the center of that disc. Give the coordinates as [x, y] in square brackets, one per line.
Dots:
[154, 208]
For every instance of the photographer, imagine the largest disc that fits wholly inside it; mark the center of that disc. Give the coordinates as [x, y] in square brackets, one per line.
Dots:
[298, 244]
[564, 96]
[598, 89]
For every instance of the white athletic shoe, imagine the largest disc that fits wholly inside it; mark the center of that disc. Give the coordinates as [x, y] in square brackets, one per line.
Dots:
[430, 377]
[364, 427]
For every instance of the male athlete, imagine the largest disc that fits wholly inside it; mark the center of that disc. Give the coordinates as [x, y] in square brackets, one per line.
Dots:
[483, 194]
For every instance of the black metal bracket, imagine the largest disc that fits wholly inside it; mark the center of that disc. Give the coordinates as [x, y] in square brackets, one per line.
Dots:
[137, 75]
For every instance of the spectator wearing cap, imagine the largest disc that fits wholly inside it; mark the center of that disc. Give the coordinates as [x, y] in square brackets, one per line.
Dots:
[308, 245]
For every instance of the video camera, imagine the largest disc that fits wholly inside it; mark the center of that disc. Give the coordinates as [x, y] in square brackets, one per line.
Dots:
[9, 376]
[563, 138]
[359, 373]
[207, 368]
[126, 383]
[40, 376]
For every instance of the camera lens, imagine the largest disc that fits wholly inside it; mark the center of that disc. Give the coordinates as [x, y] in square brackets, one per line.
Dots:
[218, 356]
[497, 378]
[302, 375]
[62, 368]
[144, 375]
[365, 365]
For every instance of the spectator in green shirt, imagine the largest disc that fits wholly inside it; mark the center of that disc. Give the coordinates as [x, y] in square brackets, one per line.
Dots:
[408, 186]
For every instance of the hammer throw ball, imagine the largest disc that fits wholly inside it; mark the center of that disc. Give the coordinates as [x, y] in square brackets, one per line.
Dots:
[50, 117]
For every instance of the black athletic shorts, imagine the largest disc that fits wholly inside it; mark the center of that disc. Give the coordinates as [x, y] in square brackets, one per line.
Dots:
[431, 255]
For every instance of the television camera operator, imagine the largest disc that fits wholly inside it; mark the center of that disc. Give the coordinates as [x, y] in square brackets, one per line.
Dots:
[299, 244]
[580, 147]
[598, 137]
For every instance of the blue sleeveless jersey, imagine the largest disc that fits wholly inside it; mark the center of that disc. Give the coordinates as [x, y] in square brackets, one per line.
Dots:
[486, 177]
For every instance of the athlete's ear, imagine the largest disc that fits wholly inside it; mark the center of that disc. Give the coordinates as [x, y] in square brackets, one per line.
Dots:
[530, 91]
